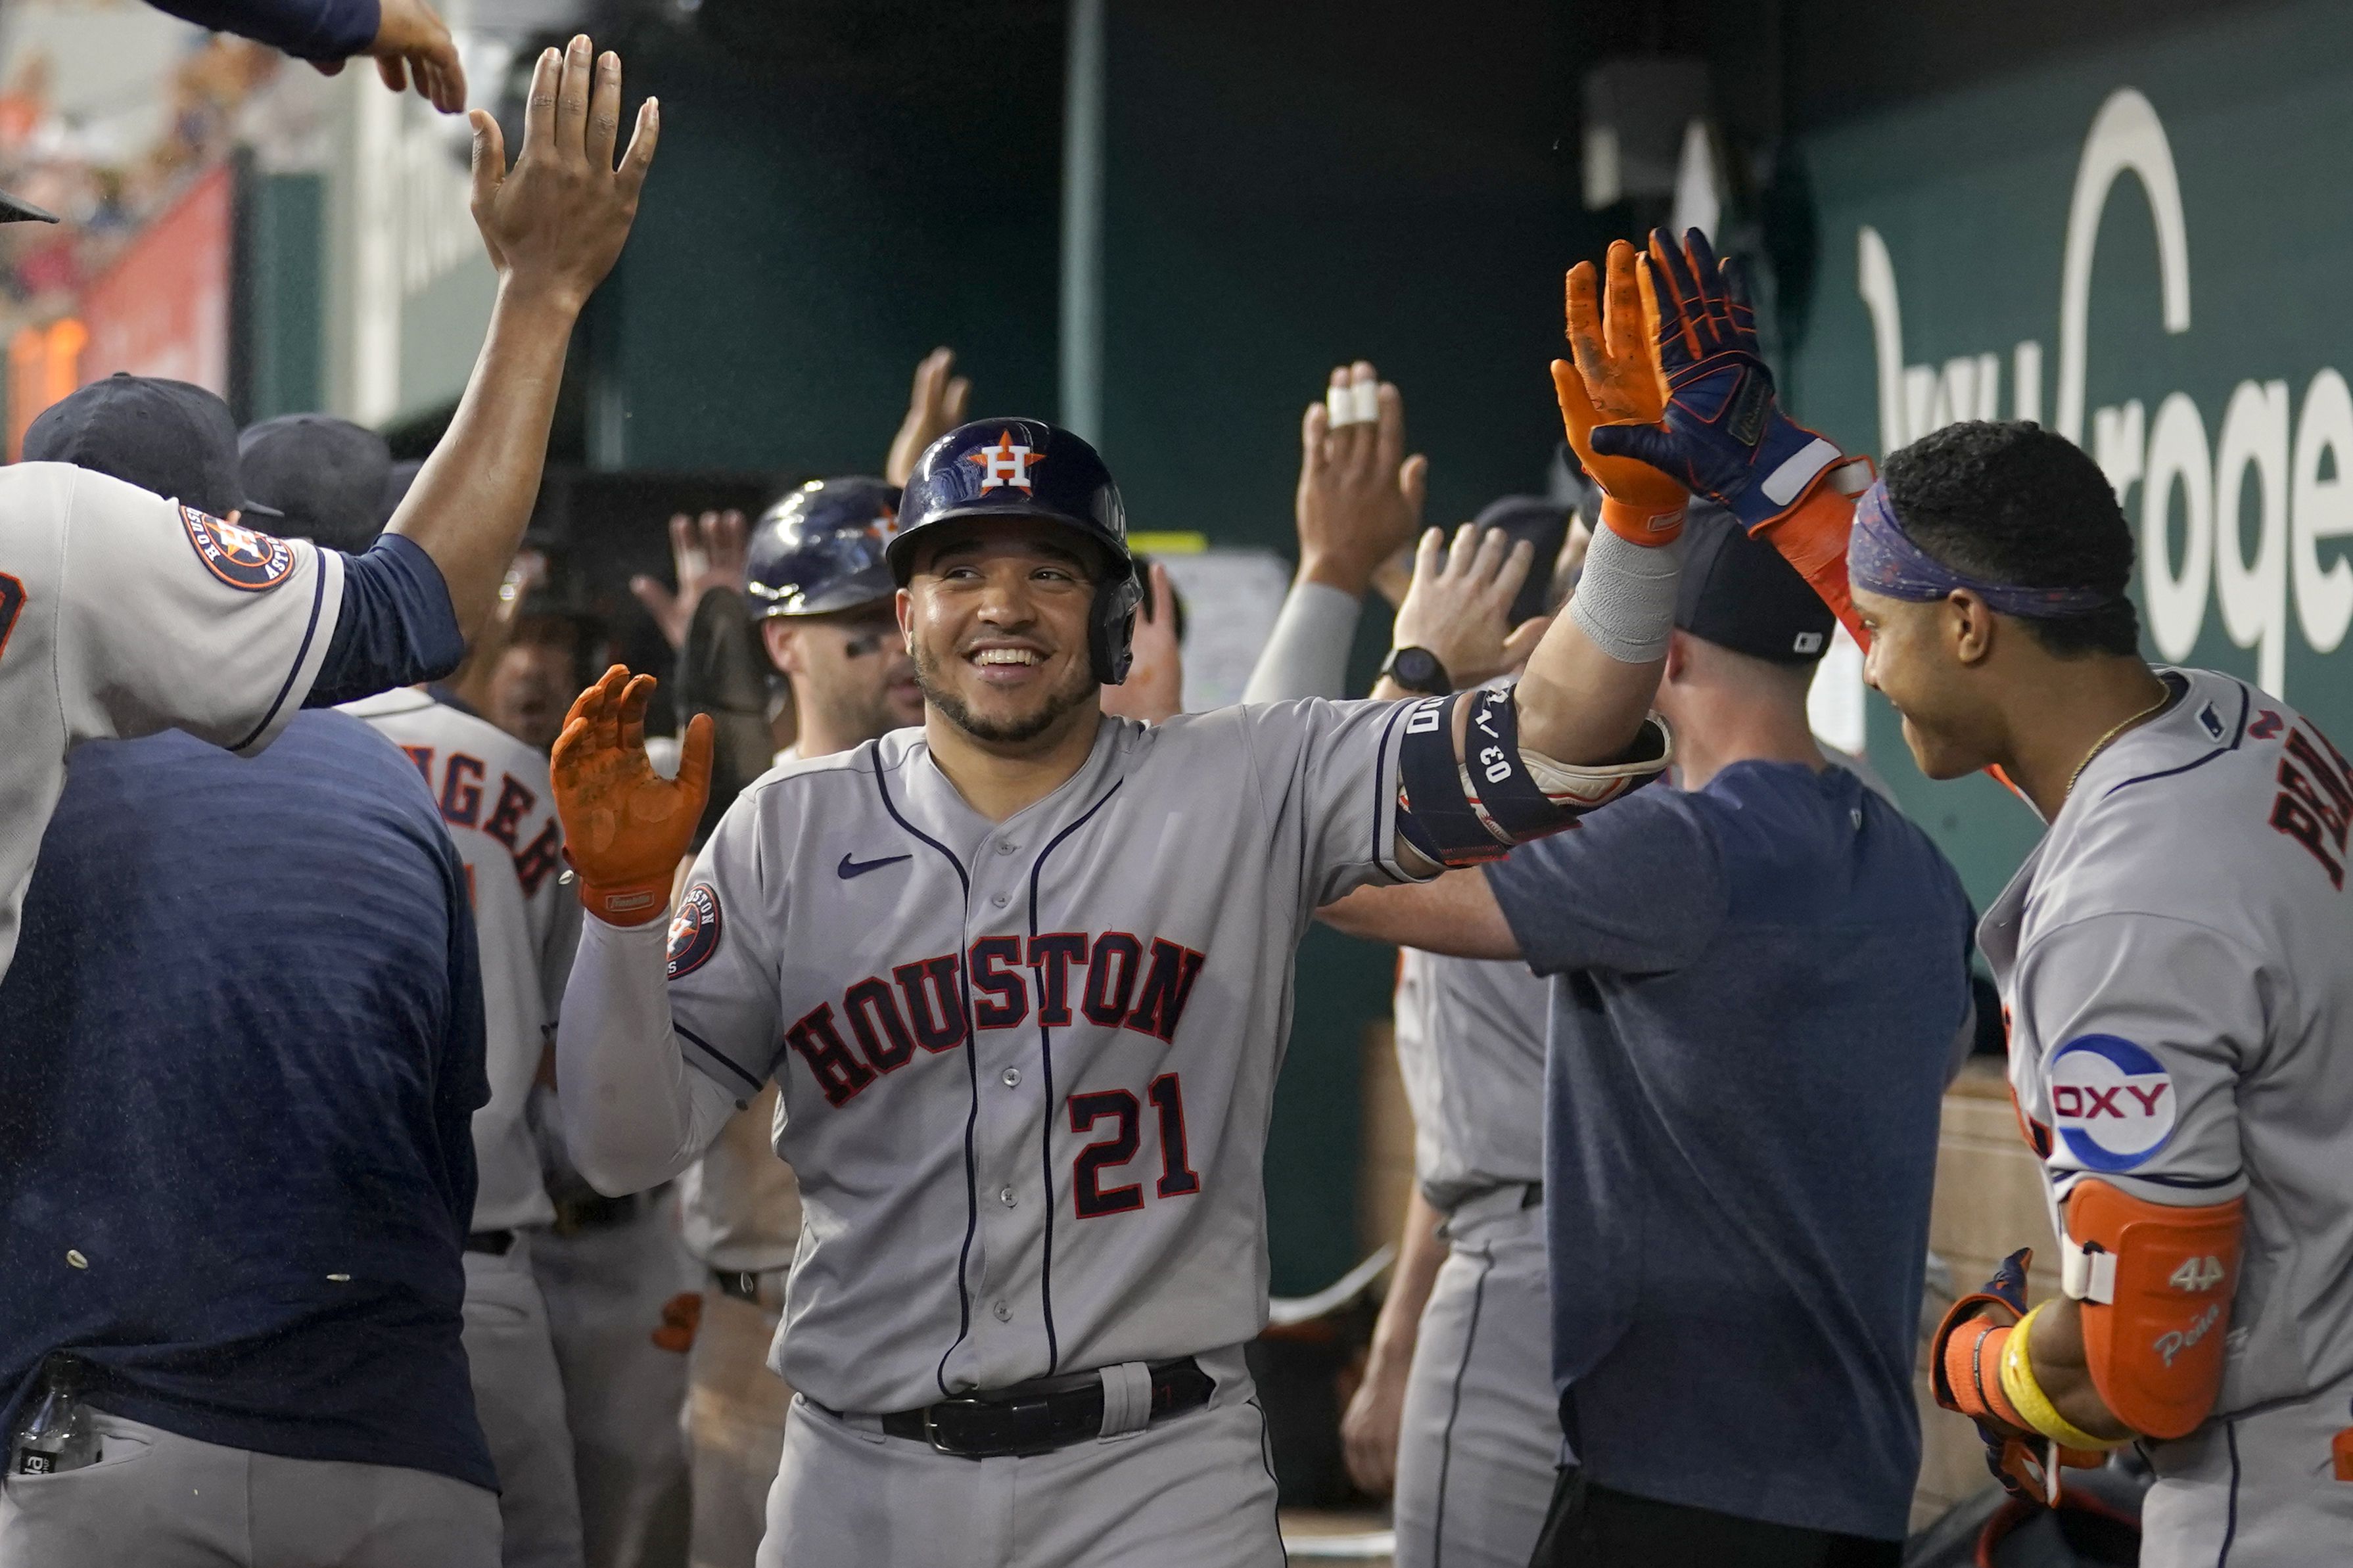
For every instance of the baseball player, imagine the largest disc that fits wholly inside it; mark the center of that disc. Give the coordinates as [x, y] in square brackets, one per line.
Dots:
[2171, 956]
[123, 613]
[323, 476]
[1455, 1416]
[817, 582]
[1049, 952]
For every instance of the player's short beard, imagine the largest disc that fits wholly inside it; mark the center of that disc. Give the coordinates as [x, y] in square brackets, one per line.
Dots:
[1058, 704]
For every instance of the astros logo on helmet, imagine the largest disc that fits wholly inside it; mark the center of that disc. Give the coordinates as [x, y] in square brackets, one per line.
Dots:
[1005, 463]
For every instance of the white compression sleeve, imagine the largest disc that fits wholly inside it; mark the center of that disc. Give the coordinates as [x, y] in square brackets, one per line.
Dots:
[1306, 655]
[634, 1114]
[1625, 599]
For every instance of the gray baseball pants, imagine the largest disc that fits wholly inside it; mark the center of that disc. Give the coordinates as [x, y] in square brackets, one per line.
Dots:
[157, 1499]
[519, 1397]
[1478, 1439]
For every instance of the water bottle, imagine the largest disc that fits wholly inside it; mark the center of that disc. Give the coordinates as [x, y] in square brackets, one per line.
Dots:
[59, 1434]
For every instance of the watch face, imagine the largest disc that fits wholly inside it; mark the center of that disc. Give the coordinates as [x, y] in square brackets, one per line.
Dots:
[1416, 668]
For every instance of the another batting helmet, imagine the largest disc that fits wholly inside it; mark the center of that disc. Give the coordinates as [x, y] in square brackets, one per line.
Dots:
[1027, 467]
[820, 548]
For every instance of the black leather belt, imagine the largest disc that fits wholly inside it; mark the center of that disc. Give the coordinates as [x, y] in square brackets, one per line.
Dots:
[497, 1243]
[1041, 1416]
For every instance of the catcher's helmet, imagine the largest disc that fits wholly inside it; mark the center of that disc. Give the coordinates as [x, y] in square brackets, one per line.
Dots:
[1027, 467]
[820, 548]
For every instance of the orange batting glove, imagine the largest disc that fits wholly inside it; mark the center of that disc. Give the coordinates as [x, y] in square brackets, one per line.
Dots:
[1616, 381]
[625, 826]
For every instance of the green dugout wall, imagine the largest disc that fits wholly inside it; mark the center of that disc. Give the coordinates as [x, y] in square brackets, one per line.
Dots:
[2142, 241]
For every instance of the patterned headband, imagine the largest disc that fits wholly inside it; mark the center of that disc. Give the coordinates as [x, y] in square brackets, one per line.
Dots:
[1882, 559]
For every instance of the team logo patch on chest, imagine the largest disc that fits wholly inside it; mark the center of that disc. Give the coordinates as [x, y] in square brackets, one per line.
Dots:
[240, 557]
[693, 931]
[2112, 1101]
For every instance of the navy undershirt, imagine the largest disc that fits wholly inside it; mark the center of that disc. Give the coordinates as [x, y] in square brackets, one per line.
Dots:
[240, 1049]
[307, 30]
[398, 627]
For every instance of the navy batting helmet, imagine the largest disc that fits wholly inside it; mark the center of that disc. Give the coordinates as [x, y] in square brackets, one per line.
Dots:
[820, 548]
[1027, 467]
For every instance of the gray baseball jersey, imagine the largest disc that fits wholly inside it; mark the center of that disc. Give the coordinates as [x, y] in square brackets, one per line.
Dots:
[1470, 1049]
[123, 613]
[2177, 958]
[1026, 1067]
[501, 814]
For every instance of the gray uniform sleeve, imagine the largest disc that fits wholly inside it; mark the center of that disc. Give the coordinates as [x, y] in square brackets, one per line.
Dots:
[1638, 888]
[723, 971]
[2141, 1026]
[1306, 654]
[169, 618]
[1332, 768]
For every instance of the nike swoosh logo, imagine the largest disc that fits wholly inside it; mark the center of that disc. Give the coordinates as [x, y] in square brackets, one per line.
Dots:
[848, 867]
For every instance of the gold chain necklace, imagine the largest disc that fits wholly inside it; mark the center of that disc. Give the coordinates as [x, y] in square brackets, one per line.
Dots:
[2101, 744]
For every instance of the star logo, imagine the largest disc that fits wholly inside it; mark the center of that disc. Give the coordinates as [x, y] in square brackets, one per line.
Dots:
[243, 558]
[1005, 463]
[885, 526]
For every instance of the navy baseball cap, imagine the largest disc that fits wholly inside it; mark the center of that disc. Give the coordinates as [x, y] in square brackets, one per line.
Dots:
[1738, 593]
[325, 476]
[167, 436]
[397, 478]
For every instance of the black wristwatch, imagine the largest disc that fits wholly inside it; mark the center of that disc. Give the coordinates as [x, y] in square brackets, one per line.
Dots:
[1417, 670]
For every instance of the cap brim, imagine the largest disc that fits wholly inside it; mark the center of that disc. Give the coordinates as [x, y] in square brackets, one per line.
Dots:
[12, 210]
[256, 509]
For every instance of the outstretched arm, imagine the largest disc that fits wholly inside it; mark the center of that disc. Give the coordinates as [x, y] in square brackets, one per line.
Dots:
[554, 226]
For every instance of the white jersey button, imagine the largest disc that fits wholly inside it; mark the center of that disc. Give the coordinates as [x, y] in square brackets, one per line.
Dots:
[1000, 900]
[1006, 1195]
[1005, 847]
[1004, 1314]
[1013, 1078]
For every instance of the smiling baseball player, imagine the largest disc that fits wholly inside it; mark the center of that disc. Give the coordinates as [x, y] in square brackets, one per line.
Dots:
[2172, 955]
[1024, 977]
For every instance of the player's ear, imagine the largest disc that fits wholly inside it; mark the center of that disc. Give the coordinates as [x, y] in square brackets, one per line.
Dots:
[781, 639]
[1969, 627]
[905, 606]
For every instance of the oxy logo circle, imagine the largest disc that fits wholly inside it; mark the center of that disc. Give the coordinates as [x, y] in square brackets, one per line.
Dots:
[241, 557]
[2112, 1101]
[694, 930]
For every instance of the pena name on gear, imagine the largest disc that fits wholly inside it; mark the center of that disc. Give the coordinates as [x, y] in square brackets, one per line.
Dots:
[2112, 1101]
[241, 557]
[693, 931]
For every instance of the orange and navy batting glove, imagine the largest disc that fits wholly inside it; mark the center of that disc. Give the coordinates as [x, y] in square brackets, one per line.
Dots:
[1964, 1368]
[625, 826]
[1615, 381]
[1723, 433]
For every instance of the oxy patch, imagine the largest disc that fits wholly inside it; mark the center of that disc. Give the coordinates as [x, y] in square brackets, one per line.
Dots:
[241, 557]
[693, 931]
[2112, 1101]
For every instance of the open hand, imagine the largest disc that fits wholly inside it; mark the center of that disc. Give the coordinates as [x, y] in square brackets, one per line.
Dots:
[1359, 497]
[1460, 604]
[554, 224]
[706, 551]
[935, 407]
[411, 45]
[1154, 690]
[1615, 381]
[625, 825]
[1369, 1428]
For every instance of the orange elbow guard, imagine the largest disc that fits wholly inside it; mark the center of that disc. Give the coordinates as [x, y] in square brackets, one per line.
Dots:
[2155, 1281]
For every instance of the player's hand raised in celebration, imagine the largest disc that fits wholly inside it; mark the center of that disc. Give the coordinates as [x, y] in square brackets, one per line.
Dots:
[555, 222]
[625, 826]
[1460, 604]
[1360, 497]
[935, 407]
[706, 551]
[1615, 381]
[411, 45]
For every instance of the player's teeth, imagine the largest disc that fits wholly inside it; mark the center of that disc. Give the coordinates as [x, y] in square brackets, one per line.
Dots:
[1005, 655]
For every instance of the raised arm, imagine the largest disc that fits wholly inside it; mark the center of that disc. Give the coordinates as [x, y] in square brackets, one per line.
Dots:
[554, 226]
